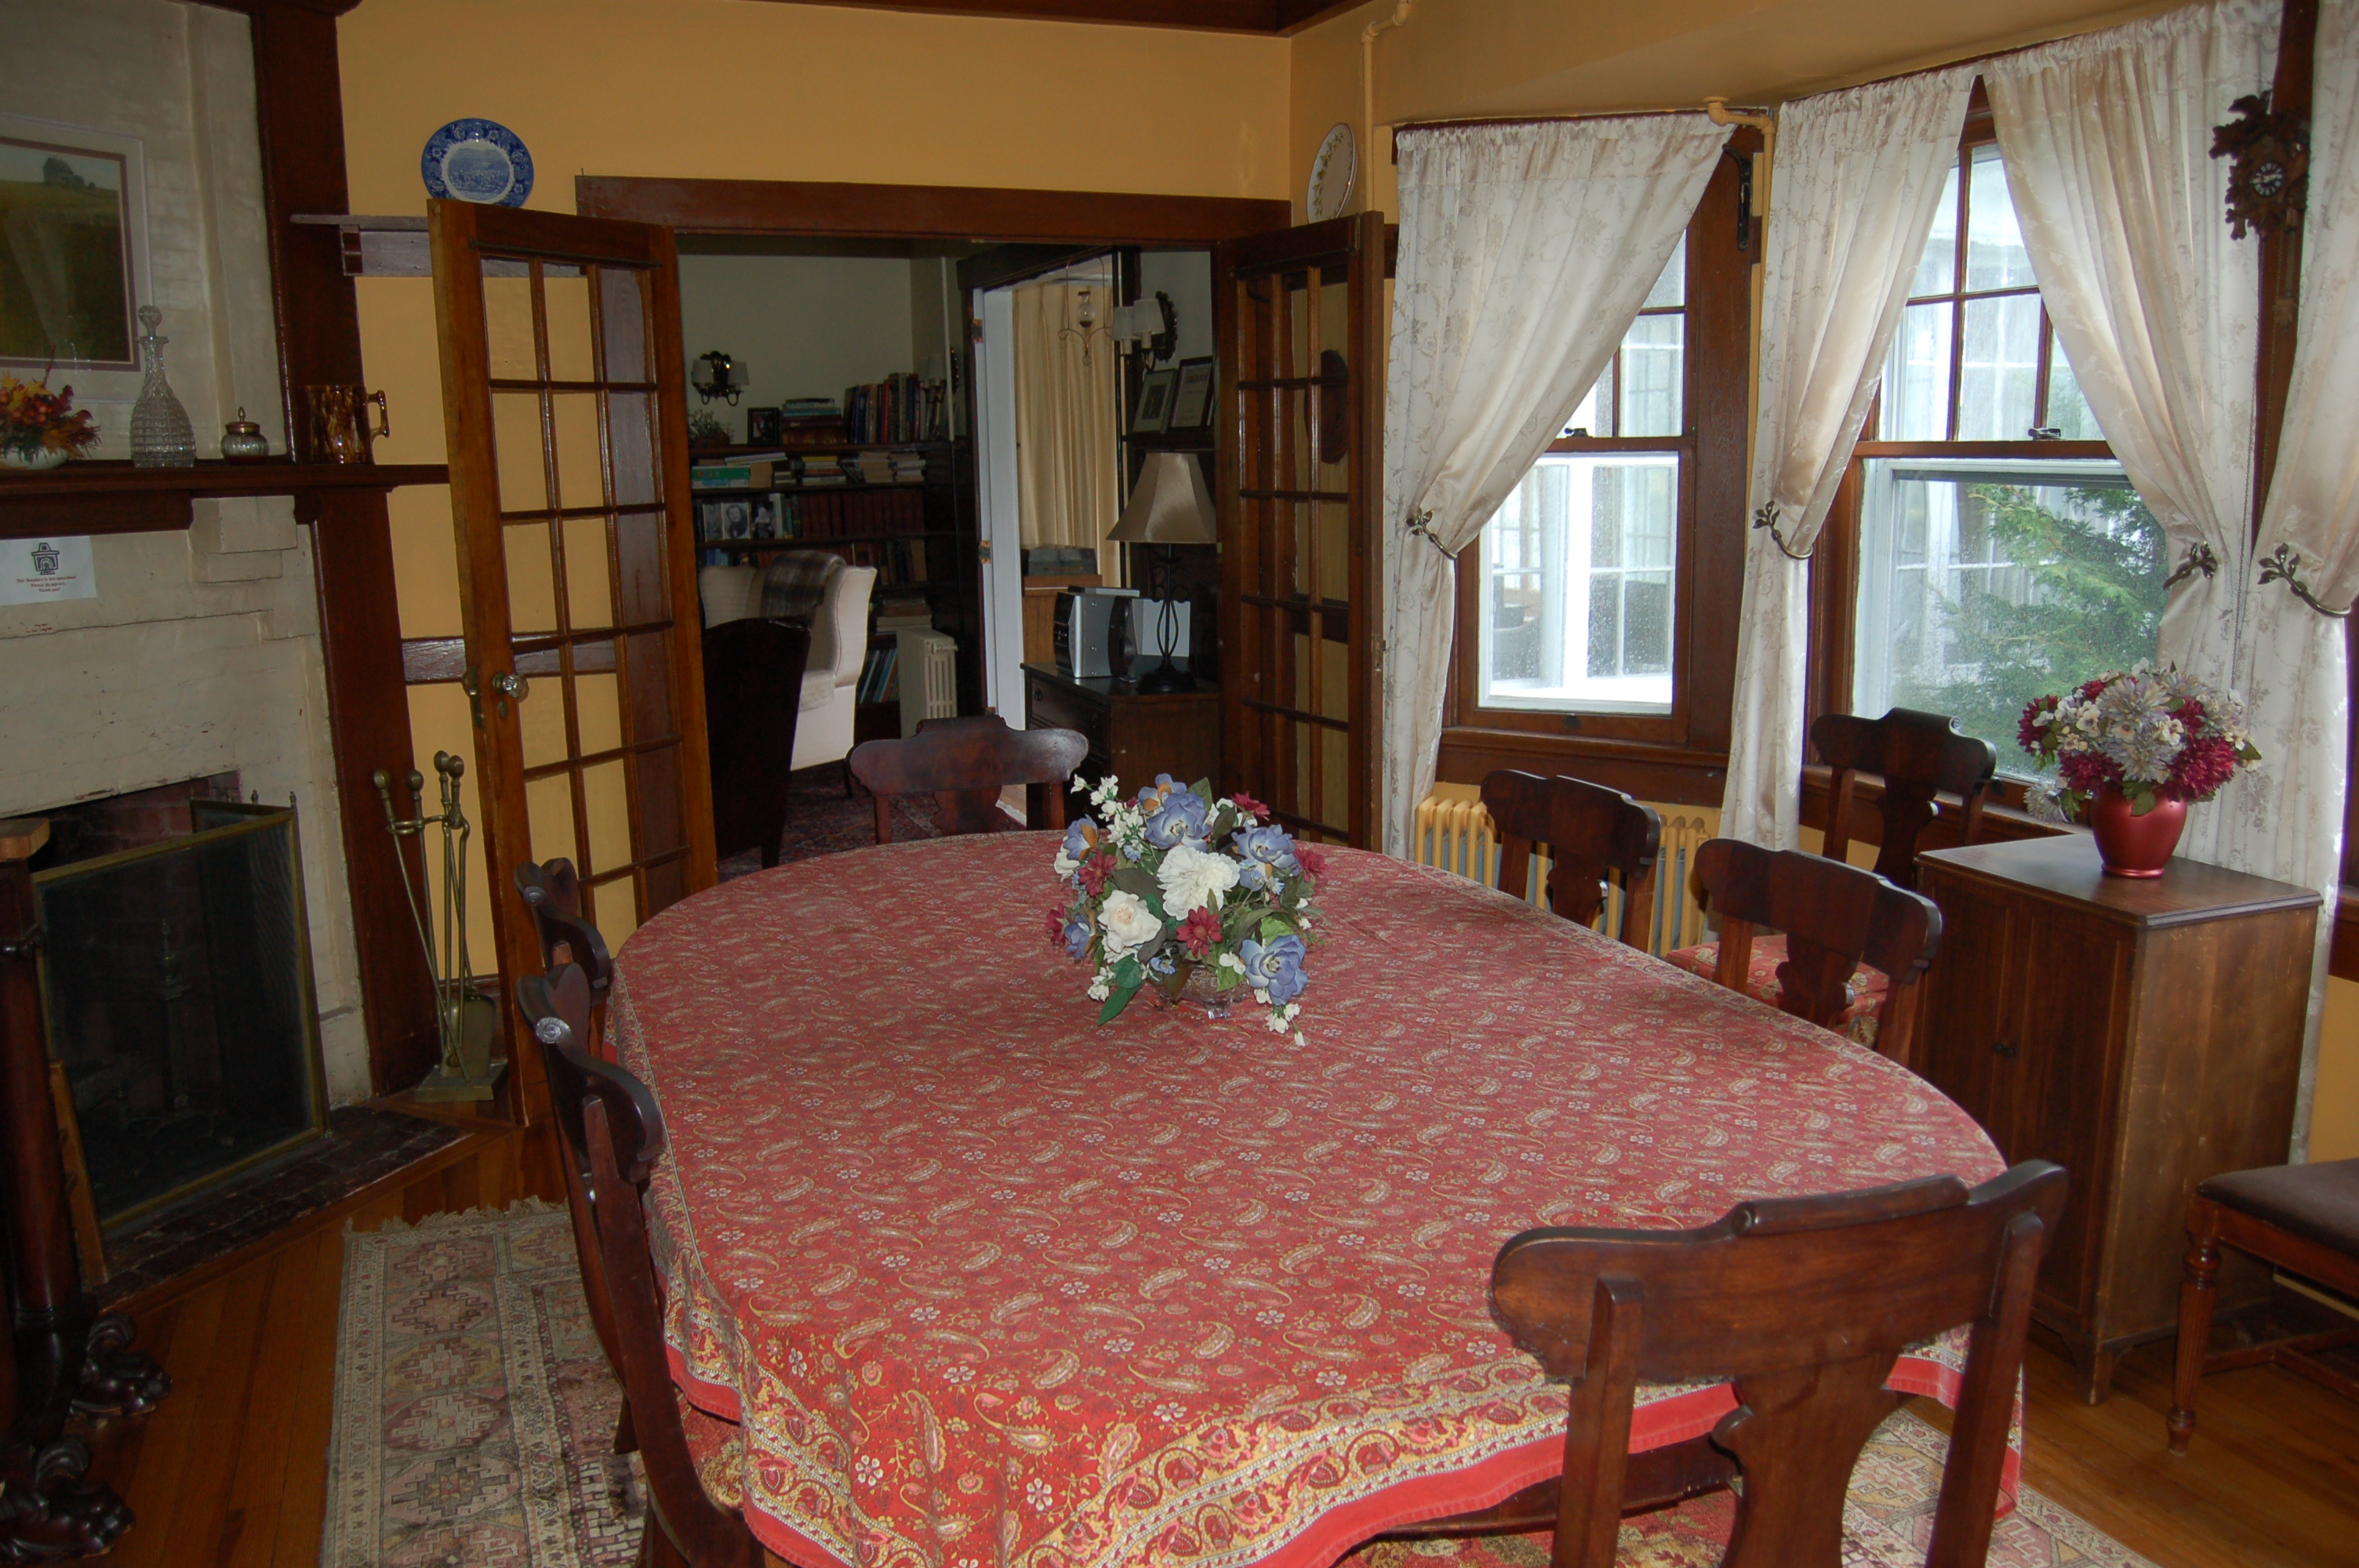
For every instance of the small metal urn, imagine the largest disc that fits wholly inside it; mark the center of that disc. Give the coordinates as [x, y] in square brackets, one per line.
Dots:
[243, 441]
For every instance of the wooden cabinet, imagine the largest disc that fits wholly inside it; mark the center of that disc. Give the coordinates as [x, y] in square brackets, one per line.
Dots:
[1132, 735]
[2143, 1034]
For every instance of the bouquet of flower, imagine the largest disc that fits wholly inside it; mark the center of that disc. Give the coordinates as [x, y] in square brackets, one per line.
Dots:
[33, 420]
[2155, 734]
[1174, 881]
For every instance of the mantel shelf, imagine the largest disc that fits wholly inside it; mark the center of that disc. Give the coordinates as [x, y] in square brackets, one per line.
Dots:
[114, 497]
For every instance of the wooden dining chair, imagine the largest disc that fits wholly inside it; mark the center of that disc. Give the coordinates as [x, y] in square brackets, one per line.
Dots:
[1804, 1304]
[1833, 916]
[611, 1136]
[1592, 832]
[2302, 1218]
[965, 763]
[551, 890]
[1920, 756]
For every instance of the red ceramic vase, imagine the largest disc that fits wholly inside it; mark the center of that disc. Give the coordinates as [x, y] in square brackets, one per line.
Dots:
[2134, 845]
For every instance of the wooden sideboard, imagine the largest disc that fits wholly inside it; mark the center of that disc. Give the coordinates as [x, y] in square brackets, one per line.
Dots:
[2143, 1034]
[1132, 734]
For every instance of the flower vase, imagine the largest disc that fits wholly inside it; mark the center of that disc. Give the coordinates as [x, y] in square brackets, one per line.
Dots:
[31, 458]
[161, 436]
[1194, 982]
[2130, 845]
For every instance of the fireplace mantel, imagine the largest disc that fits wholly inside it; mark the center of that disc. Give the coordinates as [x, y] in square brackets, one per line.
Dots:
[117, 498]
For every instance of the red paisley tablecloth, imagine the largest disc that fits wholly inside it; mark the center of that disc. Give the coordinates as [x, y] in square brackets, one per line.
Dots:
[986, 1284]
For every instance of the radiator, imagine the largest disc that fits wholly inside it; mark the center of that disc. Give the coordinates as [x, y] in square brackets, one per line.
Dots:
[928, 662]
[1454, 834]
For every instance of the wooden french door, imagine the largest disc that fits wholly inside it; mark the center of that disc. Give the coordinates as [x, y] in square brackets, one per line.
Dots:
[1299, 316]
[562, 395]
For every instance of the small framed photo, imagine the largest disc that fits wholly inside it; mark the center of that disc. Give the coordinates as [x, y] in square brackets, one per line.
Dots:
[761, 427]
[1154, 410]
[1191, 399]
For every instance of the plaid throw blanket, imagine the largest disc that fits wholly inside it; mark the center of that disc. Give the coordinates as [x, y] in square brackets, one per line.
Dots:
[794, 585]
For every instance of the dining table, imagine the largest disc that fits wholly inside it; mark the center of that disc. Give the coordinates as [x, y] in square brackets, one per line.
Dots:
[982, 1281]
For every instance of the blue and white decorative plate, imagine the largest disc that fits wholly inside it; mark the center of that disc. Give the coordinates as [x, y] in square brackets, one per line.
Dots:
[477, 160]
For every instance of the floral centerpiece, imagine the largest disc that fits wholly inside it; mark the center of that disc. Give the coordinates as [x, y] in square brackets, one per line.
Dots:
[2134, 745]
[40, 429]
[1189, 894]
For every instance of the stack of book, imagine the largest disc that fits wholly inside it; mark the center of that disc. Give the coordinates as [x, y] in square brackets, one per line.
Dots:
[875, 468]
[904, 614]
[811, 421]
[908, 466]
[756, 471]
[822, 469]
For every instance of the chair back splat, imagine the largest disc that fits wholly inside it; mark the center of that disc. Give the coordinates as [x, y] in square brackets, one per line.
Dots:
[611, 1134]
[1835, 917]
[965, 763]
[1804, 1304]
[753, 694]
[1592, 832]
[1918, 755]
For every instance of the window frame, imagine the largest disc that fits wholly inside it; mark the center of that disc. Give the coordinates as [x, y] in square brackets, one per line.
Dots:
[1716, 357]
[1832, 659]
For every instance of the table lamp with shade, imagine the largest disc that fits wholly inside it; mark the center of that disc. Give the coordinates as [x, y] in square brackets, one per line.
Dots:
[1170, 506]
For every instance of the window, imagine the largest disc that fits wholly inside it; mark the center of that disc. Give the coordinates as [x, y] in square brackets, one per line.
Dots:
[2001, 550]
[1579, 567]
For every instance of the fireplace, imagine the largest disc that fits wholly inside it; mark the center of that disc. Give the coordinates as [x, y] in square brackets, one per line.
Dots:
[177, 989]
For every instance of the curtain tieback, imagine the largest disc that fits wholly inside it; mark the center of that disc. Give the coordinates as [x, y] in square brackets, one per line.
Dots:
[2285, 566]
[1767, 517]
[1421, 524]
[2199, 558]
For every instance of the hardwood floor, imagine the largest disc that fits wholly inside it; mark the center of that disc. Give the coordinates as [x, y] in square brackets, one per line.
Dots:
[232, 1471]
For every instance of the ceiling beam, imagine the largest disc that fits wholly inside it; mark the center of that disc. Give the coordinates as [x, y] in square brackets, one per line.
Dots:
[1200, 15]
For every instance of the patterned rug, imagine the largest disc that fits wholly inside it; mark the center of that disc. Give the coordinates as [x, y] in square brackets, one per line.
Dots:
[820, 820]
[475, 1416]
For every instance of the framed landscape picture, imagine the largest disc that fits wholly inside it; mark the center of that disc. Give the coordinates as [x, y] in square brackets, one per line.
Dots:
[1153, 408]
[72, 246]
[1191, 400]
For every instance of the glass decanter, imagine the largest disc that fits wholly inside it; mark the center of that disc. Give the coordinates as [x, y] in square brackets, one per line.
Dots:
[161, 436]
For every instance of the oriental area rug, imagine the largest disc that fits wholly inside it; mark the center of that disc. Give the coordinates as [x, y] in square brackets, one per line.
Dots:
[474, 1423]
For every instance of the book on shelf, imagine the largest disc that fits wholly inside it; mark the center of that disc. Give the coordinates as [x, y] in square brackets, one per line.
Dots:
[898, 409]
[738, 475]
[877, 683]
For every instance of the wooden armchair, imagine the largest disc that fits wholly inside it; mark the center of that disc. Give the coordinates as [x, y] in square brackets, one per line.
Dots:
[611, 1135]
[753, 690]
[1804, 1304]
[965, 763]
[2302, 1218]
[1833, 916]
[1920, 755]
[1592, 832]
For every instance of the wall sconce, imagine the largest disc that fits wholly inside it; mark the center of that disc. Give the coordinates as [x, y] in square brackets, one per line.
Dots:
[715, 374]
[1134, 327]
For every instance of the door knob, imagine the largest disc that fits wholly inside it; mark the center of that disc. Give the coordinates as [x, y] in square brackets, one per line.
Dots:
[509, 684]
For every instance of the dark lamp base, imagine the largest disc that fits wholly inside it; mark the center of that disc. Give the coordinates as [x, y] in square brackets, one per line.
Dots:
[1163, 677]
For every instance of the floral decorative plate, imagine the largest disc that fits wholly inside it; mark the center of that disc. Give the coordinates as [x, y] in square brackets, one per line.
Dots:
[477, 160]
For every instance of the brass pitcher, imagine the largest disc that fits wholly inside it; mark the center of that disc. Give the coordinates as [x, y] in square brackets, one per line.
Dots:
[339, 423]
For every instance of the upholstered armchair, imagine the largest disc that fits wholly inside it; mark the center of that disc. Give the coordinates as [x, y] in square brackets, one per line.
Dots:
[839, 642]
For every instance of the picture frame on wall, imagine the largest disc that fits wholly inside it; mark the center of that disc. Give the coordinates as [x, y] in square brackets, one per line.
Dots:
[1153, 411]
[761, 427]
[74, 247]
[1191, 398]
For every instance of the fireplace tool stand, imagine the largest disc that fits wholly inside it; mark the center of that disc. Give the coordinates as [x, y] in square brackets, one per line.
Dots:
[63, 1360]
[465, 1019]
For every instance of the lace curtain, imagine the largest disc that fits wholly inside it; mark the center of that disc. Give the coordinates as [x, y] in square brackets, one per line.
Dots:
[1525, 253]
[2286, 821]
[1858, 176]
[2107, 143]
[1068, 414]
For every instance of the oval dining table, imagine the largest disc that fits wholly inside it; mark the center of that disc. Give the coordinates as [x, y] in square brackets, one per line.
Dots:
[983, 1282]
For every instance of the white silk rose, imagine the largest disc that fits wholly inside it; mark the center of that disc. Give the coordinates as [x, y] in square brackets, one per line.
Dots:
[1194, 879]
[1128, 922]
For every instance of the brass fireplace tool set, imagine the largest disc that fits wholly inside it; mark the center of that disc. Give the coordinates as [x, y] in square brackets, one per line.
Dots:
[465, 1019]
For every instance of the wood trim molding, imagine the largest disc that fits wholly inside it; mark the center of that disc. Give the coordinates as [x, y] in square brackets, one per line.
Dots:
[1276, 17]
[983, 213]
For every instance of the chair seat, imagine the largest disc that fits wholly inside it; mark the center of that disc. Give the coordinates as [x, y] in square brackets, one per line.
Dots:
[719, 1450]
[2317, 1203]
[1868, 984]
[1689, 1535]
[819, 688]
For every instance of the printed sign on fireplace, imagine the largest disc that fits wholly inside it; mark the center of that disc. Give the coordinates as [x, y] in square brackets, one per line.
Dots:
[35, 571]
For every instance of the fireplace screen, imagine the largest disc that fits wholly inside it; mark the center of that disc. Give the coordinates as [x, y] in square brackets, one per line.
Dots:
[177, 986]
